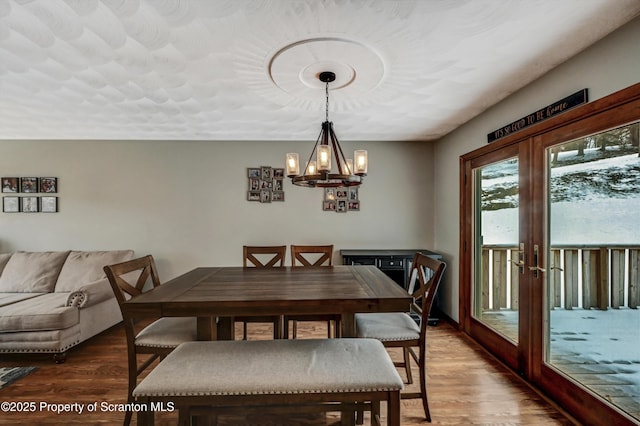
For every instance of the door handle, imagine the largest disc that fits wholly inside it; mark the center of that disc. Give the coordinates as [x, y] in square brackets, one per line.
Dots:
[536, 266]
[521, 259]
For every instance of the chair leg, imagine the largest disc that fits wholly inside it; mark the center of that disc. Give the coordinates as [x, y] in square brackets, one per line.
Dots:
[295, 329]
[145, 418]
[278, 328]
[329, 329]
[375, 413]
[127, 418]
[360, 415]
[423, 387]
[244, 331]
[407, 365]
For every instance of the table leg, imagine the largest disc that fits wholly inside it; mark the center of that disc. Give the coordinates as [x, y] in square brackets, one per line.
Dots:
[226, 329]
[348, 325]
[206, 328]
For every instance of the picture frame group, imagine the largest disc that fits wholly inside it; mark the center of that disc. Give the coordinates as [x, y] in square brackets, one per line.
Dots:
[265, 184]
[29, 203]
[29, 185]
[341, 200]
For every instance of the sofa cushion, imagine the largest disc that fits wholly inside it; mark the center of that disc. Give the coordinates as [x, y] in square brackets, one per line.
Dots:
[32, 272]
[82, 267]
[4, 258]
[46, 312]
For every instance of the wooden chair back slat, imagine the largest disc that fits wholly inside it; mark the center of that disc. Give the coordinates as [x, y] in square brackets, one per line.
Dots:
[254, 256]
[121, 276]
[426, 275]
[306, 256]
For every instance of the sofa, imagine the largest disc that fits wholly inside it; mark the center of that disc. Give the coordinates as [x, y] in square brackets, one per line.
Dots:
[51, 301]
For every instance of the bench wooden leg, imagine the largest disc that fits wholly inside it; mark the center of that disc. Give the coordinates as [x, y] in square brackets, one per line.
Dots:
[393, 409]
[145, 418]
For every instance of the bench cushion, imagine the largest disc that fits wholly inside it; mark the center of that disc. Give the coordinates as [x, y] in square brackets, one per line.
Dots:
[273, 367]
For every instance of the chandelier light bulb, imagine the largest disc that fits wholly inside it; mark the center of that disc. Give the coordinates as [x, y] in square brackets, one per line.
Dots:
[293, 165]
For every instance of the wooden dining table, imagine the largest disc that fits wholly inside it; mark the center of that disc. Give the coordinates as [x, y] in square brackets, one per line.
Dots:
[215, 295]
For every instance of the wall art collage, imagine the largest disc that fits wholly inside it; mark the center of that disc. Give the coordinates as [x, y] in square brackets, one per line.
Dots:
[265, 184]
[30, 202]
[341, 200]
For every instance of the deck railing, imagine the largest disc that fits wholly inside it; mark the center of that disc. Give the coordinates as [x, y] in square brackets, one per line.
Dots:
[602, 276]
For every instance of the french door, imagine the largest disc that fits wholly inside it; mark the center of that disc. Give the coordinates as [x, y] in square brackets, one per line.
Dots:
[550, 256]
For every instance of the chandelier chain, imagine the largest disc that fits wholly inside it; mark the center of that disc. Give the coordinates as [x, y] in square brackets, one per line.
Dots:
[326, 111]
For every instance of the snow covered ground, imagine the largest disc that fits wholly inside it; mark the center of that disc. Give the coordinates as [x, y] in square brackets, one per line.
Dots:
[594, 202]
[597, 221]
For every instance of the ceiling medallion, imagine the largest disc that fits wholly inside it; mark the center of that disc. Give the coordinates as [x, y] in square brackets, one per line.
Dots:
[318, 172]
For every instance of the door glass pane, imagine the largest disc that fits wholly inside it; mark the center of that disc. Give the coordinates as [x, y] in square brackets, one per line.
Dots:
[593, 285]
[496, 247]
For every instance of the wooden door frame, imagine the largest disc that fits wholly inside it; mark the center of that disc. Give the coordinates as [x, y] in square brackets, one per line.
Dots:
[612, 111]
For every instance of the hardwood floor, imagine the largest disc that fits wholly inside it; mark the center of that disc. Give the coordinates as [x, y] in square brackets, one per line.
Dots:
[465, 385]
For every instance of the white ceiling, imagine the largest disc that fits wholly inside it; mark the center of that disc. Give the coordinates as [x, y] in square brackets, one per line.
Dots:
[246, 69]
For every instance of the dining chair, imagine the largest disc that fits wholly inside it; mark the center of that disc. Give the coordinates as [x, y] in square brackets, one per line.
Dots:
[307, 257]
[398, 329]
[263, 257]
[158, 338]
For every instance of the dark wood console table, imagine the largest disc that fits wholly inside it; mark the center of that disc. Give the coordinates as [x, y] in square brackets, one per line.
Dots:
[395, 263]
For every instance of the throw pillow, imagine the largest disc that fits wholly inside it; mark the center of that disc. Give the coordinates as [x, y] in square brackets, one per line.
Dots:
[32, 272]
[83, 267]
[4, 258]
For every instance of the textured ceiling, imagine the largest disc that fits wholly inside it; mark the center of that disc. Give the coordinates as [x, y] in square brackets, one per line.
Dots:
[247, 69]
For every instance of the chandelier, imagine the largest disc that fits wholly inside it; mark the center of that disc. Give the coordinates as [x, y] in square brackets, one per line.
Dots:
[318, 171]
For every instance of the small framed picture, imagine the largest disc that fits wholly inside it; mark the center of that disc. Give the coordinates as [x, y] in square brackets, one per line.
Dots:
[277, 196]
[353, 194]
[253, 172]
[254, 183]
[267, 172]
[266, 184]
[11, 204]
[49, 204]
[353, 205]
[341, 206]
[10, 184]
[342, 192]
[253, 196]
[278, 173]
[29, 184]
[49, 185]
[277, 184]
[329, 206]
[29, 204]
[265, 196]
[329, 194]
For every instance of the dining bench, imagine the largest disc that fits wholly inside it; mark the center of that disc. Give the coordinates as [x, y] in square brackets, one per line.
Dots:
[290, 375]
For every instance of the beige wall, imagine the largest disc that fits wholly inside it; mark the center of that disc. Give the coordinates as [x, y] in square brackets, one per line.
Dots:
[185, 202]
[606, 67]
